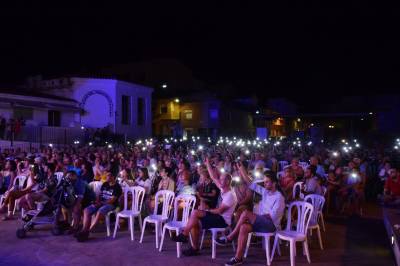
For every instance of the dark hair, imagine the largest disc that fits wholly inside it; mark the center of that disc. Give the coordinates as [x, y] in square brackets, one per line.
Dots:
[145, 172]
[51, 167]
[313, 169]
[167, 170]
[272, 176]
[13, 165]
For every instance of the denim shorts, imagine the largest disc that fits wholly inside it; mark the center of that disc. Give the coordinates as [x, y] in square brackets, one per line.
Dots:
[263, 224]
[92, 209]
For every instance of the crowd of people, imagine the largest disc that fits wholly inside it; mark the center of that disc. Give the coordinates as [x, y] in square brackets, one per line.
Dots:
[241, 184]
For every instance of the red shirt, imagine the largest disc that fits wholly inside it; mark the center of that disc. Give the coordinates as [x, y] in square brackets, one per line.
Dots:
[393, 186]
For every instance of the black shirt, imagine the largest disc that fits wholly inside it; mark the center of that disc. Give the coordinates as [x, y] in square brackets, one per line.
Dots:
[107, 192]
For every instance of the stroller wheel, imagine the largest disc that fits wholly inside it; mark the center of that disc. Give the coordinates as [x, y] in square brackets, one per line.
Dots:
[56, 231]
[29, 227]
[21, 233]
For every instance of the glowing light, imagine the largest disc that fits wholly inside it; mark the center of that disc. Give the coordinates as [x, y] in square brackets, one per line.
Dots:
[164, 86]
[201, 147]
[154, 166]
[257, 174]
[236, 179]
[257, 112]
[90, 144]
[335, 154]
[82, 127]
[247, 152]
[198, 163]
[222, 170]
[192, 152]
[109, 146]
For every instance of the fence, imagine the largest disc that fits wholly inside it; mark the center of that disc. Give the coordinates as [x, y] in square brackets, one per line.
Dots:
[35, 136]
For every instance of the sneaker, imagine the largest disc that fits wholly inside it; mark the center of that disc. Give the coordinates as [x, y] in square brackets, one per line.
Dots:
[191, 252]
[222, 241]
[234, 261]
[180, 238]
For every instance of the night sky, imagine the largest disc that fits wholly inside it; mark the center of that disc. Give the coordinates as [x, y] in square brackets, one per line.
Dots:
[268, 49]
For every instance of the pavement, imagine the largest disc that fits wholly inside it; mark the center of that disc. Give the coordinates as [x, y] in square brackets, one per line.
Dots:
[347, 241]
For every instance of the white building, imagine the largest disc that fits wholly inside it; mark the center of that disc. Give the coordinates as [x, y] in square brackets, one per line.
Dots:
[89, 102]
[124, 107]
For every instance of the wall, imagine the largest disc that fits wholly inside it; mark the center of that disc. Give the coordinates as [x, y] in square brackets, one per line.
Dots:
[99, 96]
[134, 91]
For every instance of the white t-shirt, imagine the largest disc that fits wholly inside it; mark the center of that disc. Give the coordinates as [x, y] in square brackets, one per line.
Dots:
[228, 199]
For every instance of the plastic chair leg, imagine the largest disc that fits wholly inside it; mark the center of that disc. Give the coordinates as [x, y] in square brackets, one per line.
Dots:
[247, 245]
[144, 227]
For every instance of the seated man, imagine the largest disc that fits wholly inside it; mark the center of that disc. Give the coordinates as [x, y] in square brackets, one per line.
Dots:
[311, 184]
[106, 201]
[84, 196]
[392, 188]
[219, 217]
[271, 212]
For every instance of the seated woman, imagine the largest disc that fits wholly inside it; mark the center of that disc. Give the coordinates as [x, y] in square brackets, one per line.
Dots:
[297, 169]
[7, 176]
[183, 185]
[207, 192]
[144, 181]
[43, 191]
[14, 193]
[125, 178]
[287, 182]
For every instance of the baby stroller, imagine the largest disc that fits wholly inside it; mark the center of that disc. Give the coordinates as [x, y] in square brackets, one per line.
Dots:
[48, 212]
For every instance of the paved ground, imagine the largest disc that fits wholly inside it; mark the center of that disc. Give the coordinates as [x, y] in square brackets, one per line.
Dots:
[348, 241]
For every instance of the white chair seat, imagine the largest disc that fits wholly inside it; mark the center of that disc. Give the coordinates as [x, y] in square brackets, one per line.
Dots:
[156, 218]
[175, 225]
[288, 235]
[127, 213]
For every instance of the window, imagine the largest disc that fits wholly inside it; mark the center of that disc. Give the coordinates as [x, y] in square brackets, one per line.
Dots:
[54, 118]
[126, 110]
[140, 111]
[188, 114]
[214, 113]
[163, 109]
[25, 113]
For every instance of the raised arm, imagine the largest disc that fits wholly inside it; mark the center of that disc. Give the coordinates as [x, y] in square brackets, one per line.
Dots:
[212, 173]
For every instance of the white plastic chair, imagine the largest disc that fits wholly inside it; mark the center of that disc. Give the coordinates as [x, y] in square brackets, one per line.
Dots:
[59, 176]
[297, 190]
[304, 213]
[266, 239]
[133, 211]
[318, 203]
[282, 164]
[304, 165]
[21, 180]
[214, 235]
[96, 186]
[177, 225]
[280, 174]
[167, 198]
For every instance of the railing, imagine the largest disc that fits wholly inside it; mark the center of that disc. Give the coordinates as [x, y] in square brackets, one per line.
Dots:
[44, 135]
